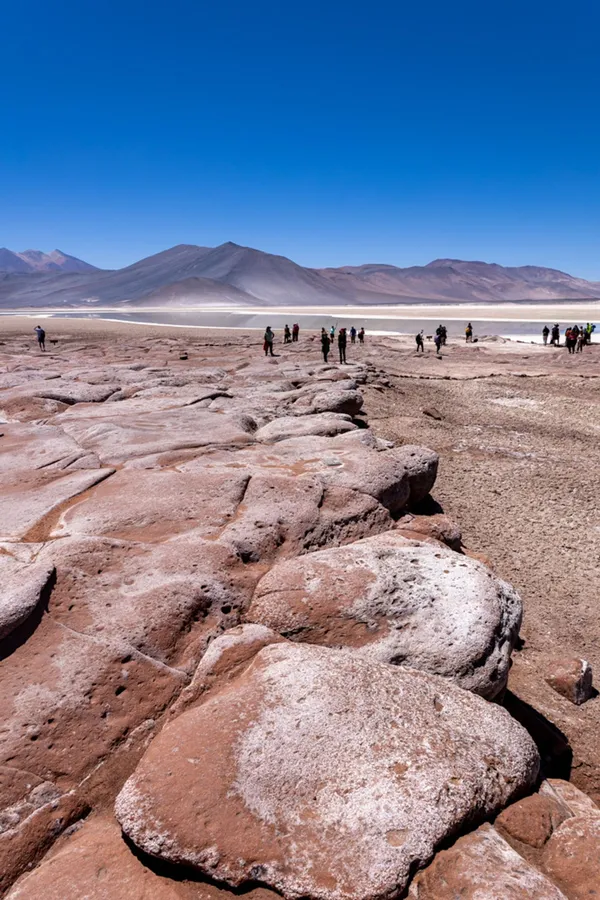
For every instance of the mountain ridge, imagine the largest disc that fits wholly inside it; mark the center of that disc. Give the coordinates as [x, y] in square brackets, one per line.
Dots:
[231, 274]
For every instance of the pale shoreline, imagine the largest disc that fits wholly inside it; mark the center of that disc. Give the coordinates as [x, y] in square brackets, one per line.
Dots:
[497, 312]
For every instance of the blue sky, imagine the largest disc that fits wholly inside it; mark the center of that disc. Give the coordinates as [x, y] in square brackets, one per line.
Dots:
[334, 133]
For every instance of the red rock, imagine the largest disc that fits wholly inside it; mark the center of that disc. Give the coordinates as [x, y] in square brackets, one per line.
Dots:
[323, 775]
[165, 600]
[115, 442]
[533, 819]
[322, 424]
[399, 601]
[571, 677]
[482, 866]
[95, 863]
[438, 526]
[151, 505]
[572, 857]
[26, 501]
[23, 582]
[578, 803]
[66, 700]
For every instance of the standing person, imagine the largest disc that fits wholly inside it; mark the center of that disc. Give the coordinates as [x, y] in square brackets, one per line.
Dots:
[41, 337]
[420, 343]
[342, 345]
[555, 340]
[469, 333]
[581, 339]
[444, 335]
[353, 335]
[361, 336]
[295, 331]
[569, 340]
[325, 344]
[332, 334]
[545, 333]
[438, 342]
[287, 335]
[268, 344]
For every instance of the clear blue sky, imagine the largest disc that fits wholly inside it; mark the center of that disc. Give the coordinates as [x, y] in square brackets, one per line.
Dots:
[329, 132]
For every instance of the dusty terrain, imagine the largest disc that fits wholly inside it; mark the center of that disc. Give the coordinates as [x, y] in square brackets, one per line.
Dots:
[241, 648]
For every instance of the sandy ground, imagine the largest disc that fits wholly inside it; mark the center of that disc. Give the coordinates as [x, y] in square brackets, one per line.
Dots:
[519, 439]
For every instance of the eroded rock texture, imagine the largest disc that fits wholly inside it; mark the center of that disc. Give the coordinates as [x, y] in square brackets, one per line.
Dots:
[221, 601]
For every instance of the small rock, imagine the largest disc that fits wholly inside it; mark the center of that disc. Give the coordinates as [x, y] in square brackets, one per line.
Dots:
[433, 413]
[572, 678]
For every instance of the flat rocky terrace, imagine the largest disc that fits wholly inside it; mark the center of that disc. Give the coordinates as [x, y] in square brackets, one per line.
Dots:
[280, 628]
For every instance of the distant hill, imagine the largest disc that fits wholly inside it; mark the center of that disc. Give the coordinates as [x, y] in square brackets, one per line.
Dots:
[37, 261]
[232, 275]
[453, 280]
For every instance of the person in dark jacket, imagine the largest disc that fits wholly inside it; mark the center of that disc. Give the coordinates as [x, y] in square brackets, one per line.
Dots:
[420, 343]
[342, 341]
[325, 344]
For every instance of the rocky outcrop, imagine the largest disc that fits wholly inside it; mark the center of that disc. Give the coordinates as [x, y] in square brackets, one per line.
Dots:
[283, 778]
[207, 570]
[399, 601]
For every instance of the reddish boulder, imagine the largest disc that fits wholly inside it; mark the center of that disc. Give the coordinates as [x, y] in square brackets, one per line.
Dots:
[572, 857]
[482, 866]
[533, 819]
[398, 601]
[323, 775]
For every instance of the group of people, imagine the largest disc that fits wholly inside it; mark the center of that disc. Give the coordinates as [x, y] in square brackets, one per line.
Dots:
[576, 337]
[440, 338]
[290, 337]
[327, 339]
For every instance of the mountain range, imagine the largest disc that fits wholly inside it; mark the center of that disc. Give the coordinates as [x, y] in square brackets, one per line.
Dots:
[234, 276]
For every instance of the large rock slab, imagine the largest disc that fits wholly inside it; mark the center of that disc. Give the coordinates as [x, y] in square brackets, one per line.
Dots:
[482, 866]
[67, 700]
[115, 442]
[398, 601]
[141, 505]
[353, 461]
[322, 424]
[22, 586]
[71, 392]
[31, 447]
[27, 500]
[338, 401]
[321, 774]
[166, 600]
